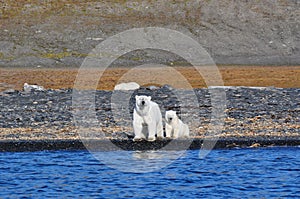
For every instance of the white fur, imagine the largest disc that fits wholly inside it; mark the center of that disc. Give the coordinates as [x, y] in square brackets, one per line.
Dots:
[147, 119]
[175, 128]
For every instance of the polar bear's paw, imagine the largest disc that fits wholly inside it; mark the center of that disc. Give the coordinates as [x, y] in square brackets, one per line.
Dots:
[137, 139]
[168, 137]
[151, 139]
[160, 138]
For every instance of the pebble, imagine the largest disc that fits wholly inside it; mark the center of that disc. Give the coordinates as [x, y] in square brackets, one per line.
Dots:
[252, 111]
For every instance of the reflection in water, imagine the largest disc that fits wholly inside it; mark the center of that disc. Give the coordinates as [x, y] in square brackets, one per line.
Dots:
[138, 161]
[152, 155]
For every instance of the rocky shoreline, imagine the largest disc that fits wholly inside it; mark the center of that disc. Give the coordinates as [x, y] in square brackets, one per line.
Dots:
[106, 144]
[252, 117]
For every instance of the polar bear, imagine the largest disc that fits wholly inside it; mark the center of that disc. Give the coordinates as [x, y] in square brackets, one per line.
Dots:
[147, 119]
[174, 126]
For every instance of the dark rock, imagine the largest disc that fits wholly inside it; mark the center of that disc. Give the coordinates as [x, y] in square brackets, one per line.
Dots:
[53, 108]
[105, 145]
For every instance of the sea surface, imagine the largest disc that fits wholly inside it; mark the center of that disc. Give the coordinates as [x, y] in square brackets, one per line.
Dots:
[272, 172]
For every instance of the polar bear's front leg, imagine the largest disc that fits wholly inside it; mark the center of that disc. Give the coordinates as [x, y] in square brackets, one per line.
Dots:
[176, 133]
[168, 130]
[159, 130]
[186, 131]
[137, 127]
[151, 131]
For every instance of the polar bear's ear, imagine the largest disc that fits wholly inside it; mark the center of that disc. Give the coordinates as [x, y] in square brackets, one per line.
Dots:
[136, 97]
[149, 98]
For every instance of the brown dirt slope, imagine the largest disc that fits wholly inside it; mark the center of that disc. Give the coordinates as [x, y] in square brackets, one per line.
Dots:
[279, 76]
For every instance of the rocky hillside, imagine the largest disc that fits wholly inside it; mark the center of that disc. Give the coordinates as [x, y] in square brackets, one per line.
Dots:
[60, 33]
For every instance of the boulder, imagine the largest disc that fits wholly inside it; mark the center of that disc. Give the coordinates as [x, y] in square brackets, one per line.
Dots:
[27, 87]
[127, 86]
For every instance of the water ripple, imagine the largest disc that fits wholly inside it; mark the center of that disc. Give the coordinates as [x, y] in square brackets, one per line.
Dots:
[248, 173]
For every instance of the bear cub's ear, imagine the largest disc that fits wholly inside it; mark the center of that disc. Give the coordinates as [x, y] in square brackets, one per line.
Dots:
[149, 98]
[137, 97]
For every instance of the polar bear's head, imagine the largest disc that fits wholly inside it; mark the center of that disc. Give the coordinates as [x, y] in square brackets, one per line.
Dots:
[142, 100]
[171, 116]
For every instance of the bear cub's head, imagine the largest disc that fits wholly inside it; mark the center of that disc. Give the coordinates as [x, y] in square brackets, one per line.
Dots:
[142, 100]
[171, 116]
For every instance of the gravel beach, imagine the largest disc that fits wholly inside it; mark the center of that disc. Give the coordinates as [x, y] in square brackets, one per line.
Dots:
[260, 113]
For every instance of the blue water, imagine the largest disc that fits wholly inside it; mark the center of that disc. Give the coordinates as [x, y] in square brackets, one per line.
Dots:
[237, 173]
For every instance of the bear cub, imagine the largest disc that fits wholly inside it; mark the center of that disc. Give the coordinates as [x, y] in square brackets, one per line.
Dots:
[175, 128]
